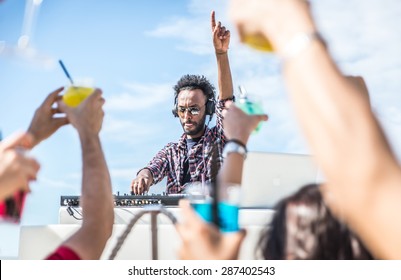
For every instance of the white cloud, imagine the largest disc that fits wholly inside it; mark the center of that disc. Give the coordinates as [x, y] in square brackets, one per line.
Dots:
[205, 7]
[137, 96]
[125, 130]
[362, 35]
[123, 173]
[133, 117]
[192, 31]
[364, 38]
[193, 34]
[60, 183]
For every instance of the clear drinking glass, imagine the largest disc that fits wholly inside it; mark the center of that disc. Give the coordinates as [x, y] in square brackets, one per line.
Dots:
[229, 202]
[227, 208]
[77, 92]
[250, 104]
[200, 199]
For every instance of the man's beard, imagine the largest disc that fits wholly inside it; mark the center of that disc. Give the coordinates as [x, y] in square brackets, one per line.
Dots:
[197, 129]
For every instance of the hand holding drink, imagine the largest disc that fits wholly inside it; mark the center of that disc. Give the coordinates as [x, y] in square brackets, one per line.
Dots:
[11, 209]
[270, 25]
[17, 170]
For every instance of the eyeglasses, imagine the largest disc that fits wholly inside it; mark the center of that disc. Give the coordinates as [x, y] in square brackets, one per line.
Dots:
[194, 111]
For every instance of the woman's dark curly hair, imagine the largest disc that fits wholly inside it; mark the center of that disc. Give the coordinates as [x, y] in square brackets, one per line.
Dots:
[191, 82]
[303, 227]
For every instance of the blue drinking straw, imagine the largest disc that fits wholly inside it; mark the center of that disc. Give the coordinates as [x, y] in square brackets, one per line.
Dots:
[65, 71]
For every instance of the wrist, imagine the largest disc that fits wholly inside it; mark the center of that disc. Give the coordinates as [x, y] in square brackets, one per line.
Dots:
[87, 131]
[240, 138]
[235, 146]
[299, 43]
[87, 137]
[220, 52]
[301, 22]
[34, 140]
[145, 172]
[238, 142]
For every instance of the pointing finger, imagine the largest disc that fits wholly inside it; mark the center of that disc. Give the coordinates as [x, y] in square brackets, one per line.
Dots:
[213, 20]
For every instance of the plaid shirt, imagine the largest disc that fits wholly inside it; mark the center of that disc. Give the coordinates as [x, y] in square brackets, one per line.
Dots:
[170, 160]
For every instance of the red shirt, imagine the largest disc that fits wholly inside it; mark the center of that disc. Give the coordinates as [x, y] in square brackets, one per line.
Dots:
[63, 253]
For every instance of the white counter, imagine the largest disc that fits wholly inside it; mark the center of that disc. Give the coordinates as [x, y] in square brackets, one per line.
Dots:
[123, 215]
[36, 242]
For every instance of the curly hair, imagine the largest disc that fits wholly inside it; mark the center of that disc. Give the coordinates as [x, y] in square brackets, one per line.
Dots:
[304, 226]
[191, 82]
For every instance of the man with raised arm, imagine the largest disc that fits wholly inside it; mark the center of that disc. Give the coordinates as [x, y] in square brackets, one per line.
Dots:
[189, 159]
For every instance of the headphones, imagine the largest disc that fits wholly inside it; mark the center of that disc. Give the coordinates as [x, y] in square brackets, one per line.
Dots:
[210, 107]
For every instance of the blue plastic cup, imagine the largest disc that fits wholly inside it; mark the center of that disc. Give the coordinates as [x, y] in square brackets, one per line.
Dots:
[228, 217]
[204, 209]
[228, 206]
[228, 214]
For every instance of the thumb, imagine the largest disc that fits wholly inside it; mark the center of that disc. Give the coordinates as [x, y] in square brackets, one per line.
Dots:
[238, 237]
[59, 122]
[263, 117]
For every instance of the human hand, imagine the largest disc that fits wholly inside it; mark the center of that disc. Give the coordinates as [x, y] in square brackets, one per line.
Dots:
[203, 241]
[221, 36]
[239, 125]
[142, 182]
[277, 21]
[87, 118]
[16, 168]
[43, 123]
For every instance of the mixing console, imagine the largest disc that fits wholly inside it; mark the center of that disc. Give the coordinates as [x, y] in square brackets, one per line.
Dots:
[131, 200]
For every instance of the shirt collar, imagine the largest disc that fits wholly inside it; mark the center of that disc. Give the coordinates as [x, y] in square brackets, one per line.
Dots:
[182, 143]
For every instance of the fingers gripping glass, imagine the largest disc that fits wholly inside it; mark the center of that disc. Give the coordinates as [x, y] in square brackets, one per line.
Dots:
[194, 111]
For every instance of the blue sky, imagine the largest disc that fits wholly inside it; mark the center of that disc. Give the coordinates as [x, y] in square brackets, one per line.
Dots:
[136, 51]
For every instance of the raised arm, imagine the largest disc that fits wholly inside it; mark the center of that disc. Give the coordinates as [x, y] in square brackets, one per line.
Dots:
[349, 145]
[199, 239]
[96, 199]
[221, 41]
[238, 127]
